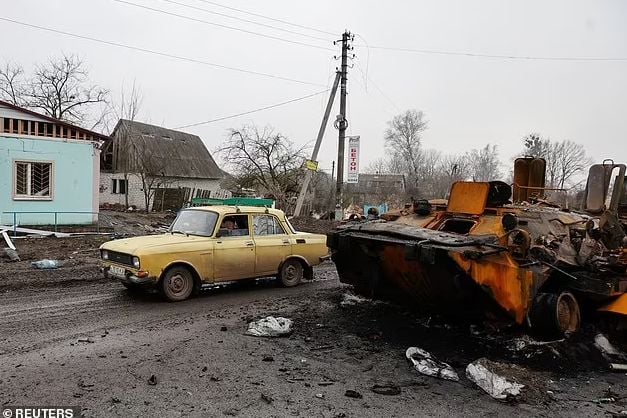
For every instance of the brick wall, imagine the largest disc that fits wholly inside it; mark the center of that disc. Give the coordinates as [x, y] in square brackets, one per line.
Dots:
[136, 194]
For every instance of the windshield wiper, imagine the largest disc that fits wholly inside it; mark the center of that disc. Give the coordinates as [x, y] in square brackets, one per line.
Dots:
[176, 231]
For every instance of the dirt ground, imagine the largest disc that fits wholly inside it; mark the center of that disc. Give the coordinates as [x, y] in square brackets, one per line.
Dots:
[70, 337]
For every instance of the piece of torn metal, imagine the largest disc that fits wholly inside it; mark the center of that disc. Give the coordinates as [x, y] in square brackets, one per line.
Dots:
[270, 327]
[493, 384]
[428, 365]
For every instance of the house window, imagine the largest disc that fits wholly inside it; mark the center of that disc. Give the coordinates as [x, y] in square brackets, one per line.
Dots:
[33, 180]
[118, 186]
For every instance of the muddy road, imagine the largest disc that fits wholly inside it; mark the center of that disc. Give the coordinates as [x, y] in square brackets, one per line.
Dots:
[69, 337]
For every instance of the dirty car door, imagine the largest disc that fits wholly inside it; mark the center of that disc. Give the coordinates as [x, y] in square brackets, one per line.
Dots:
[234, 254]
[272, 244]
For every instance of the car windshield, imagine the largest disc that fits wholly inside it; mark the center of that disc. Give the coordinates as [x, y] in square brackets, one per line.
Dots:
[194, 222]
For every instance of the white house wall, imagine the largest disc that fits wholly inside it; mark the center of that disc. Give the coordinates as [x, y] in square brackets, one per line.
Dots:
[136, 194]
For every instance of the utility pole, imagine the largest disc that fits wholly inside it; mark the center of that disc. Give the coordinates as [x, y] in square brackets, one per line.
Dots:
[314, 154]
[342, 124]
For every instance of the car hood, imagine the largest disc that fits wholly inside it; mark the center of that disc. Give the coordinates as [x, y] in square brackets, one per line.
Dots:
[133, 245]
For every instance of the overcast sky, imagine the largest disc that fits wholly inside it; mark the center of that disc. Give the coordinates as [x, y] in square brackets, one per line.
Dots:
[469, 101]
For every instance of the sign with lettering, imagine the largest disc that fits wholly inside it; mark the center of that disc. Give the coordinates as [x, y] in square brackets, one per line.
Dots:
[353, 159]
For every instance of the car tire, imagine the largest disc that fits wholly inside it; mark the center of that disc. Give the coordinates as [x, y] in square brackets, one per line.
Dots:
[292, 273]
[177, 284]
[555, 314]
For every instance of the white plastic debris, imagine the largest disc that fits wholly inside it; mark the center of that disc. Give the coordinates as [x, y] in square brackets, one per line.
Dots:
[270, 327]
[493, 384]
[428, 365]
[605, 346]
[348, 299]
[45, 264]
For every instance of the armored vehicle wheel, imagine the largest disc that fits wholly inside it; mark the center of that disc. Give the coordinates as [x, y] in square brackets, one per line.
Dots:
[555, 314]
[177, 284]
[291, 273]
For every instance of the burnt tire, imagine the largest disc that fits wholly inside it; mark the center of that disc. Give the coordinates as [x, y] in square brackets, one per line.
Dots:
[555, 314]
[177, 284]
[292, 273]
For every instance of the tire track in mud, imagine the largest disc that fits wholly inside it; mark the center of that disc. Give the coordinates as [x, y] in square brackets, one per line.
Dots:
[34, 318]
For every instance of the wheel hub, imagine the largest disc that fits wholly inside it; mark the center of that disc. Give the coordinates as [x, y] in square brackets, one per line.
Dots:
[177, 284]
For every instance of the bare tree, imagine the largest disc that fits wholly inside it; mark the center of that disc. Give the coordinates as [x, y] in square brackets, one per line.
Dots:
[128, 109]
[403, 138]
[59, 88]
[564, 160]
[264, 160]
[379, 166]
[484, 163]
[12, 84]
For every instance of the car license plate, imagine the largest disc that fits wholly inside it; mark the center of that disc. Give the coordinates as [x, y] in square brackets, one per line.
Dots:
[117, 272]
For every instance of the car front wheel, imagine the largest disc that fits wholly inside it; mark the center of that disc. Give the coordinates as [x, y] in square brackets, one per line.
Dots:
[291, 273]
[177, 284]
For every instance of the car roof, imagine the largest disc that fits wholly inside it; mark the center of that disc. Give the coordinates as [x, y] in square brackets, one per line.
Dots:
[235, 209]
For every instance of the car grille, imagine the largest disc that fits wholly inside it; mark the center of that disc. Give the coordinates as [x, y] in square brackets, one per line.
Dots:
[121, 258]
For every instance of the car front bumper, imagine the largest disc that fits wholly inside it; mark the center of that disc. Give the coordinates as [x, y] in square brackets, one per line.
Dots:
[130, 276]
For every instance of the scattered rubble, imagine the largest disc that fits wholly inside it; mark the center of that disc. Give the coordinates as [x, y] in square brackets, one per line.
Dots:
[390, 390]
[353, 394]
[11, 254]
[493, 384]
[270, 327]
[350, 299]
[426, 364]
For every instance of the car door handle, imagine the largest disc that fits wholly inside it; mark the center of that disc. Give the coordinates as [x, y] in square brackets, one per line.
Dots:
[250, 244]
[286, 241]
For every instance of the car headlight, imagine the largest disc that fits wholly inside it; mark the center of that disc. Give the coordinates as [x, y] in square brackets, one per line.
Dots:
[136, 262]
[104, 254]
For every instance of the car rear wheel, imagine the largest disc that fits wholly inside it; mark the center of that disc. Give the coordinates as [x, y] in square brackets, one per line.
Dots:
[555, 314]
[177, 284]
[291, 273]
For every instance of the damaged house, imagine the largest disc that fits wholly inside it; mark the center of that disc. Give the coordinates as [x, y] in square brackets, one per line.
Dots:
[378, 190]
[155, 168]
[49, 169]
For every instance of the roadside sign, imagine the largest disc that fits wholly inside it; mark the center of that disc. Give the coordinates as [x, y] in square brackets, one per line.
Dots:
[311, 165]
[353, 159]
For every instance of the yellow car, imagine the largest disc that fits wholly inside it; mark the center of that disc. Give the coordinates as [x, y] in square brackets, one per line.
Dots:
[215, 244]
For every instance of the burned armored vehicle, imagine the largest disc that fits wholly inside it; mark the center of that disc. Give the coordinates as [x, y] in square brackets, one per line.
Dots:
[501, 249]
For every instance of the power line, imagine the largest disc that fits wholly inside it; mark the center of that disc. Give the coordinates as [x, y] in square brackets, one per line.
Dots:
[477, 55]
[193, 19]
[269, 18]
[163, 54]
[248, 21]
[252, 111]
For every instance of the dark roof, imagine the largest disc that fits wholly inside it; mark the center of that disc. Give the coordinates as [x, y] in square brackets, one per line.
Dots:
[384, 178]
[97, 135]
[176, 154]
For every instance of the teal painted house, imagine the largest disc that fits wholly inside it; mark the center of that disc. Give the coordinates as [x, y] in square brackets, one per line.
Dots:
[49, 170]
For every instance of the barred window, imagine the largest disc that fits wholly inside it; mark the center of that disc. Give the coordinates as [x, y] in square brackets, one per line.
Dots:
[33, 180]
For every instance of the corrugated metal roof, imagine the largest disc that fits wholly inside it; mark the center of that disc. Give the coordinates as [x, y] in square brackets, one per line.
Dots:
[170, 153]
